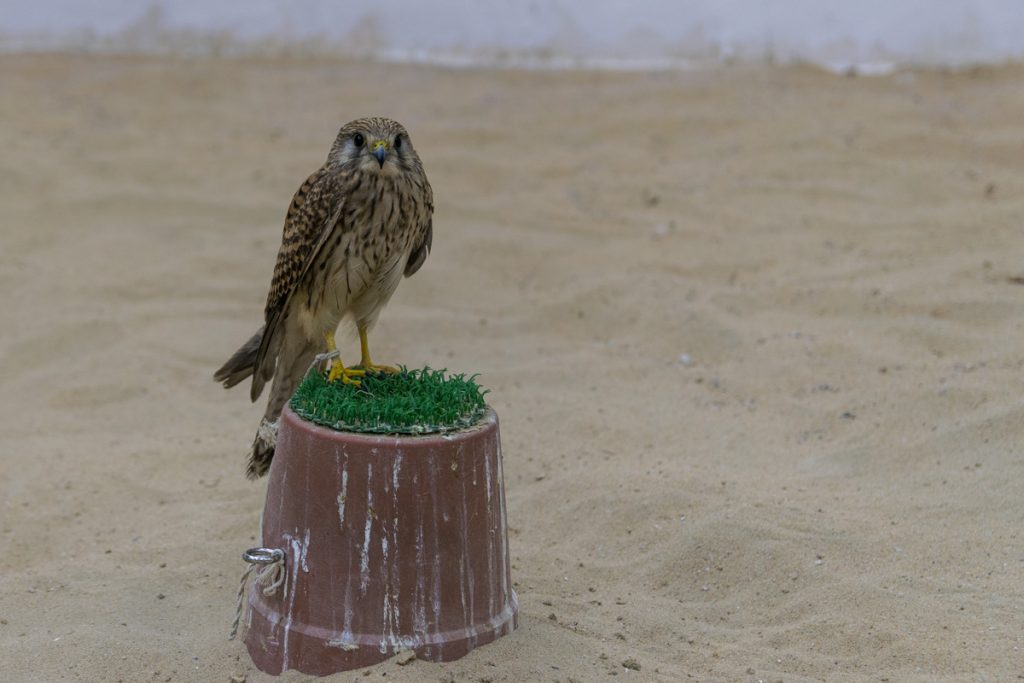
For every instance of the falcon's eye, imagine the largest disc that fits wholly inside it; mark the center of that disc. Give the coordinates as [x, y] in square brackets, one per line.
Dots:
[358, 140]
[398, 142]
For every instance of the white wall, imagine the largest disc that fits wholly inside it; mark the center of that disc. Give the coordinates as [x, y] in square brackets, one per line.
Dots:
[613, 32]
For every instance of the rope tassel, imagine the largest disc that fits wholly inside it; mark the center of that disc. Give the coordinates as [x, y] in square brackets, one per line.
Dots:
[268, 566]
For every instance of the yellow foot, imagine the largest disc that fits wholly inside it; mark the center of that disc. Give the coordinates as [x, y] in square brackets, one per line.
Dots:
[346, 375]
[374, 369]
[368, 365]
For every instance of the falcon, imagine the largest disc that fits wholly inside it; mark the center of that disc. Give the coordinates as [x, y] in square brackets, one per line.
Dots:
[353, 230]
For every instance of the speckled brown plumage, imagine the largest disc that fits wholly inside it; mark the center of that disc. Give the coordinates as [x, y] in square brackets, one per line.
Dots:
[353, 228]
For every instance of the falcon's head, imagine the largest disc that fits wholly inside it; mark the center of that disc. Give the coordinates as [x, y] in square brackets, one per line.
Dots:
[374, 145]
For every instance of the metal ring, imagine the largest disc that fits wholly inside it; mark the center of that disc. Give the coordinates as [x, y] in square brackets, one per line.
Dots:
[263, 555]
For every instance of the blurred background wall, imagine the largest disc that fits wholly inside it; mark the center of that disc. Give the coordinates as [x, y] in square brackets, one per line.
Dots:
[558, 33]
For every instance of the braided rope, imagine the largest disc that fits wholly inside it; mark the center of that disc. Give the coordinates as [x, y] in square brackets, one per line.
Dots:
[269, 577]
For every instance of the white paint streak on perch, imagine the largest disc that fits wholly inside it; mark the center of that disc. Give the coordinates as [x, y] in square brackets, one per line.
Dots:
[298, 559]
[343, 644]
[390, 575]
[388, 616]
[342, 496]
[420, 598]
[393, 590]
[364, 559]
[502, 543]
[491, 540]
[466, 567]
[436, 556]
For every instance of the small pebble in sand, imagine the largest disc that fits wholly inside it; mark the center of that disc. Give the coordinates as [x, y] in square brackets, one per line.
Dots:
[685, 360]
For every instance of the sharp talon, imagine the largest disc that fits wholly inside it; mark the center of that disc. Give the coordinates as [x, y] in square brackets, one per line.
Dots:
[346, 375]
[374, 369]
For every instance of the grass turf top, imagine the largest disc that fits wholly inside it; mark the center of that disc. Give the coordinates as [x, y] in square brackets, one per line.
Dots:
[408, 402]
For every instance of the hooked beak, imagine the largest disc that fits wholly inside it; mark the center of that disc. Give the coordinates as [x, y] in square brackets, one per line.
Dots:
[380, 151]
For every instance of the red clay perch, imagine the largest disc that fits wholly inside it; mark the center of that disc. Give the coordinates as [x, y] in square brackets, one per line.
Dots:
[391, 543]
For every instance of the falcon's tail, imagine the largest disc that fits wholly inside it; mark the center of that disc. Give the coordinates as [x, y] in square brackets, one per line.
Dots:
[262, 452]
[242, 364]
[296, 360]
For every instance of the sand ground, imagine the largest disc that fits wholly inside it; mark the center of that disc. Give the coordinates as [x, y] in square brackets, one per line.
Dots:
[754, 335]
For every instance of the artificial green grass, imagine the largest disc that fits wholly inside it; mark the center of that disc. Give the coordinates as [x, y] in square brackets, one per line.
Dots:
[408, 402]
